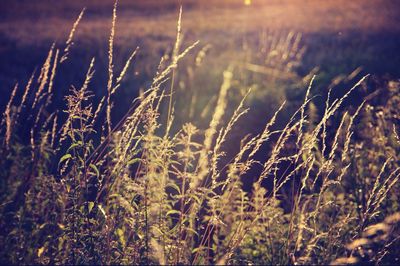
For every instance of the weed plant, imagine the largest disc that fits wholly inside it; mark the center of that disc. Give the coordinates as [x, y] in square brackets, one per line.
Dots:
[78, 188]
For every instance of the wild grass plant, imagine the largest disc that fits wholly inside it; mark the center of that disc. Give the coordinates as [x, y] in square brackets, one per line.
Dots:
[80, 188]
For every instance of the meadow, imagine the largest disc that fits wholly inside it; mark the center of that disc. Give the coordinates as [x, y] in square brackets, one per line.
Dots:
[200, 132]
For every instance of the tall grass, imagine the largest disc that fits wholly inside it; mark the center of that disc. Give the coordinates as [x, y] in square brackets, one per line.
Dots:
[84, 190]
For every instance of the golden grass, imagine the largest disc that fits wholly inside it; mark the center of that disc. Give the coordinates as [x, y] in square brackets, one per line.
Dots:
[137, 192]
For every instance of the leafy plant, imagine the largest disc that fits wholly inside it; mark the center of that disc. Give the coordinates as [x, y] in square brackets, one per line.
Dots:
[87, 190]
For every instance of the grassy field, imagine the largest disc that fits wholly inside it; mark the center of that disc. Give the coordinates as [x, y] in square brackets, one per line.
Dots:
[236, 132]
[219, 23]
[338, 36]
[141, 18]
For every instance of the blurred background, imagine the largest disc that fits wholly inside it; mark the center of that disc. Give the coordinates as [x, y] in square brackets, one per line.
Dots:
[272, 46]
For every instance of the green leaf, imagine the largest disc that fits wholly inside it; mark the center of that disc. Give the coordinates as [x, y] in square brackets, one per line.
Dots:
[121, 236]
[40, 251]
[115, 195]
[135, 160]
[94, 167]
[197, 199]
[65, 157]
[75, 144]
[173, 212]
[175, 186]
[192, 231]
[90, 205]
[199, 249]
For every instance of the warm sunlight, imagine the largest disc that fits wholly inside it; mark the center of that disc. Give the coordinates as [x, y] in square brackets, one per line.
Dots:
[199, 132]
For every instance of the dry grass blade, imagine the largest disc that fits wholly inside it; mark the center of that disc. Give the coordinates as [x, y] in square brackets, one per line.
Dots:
[7, 117]
[69, 43]
[111, 66]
